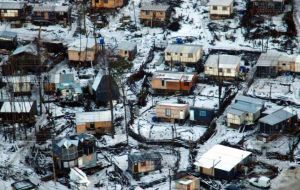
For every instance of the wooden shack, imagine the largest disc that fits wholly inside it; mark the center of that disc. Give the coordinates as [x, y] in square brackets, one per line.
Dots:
[201, 115]
[144, 162]
[24, 185]
[183, 54]
[12, 11]
[18, 112]
[8, 40]
[168, 81]
[267, 7]
[106, 4]
[49, 14]
[222, 66]
[188, 183]
[83, 51]
[19, 85]
[220, 8]
[267, 65]
[94, 122]
[172, 111]
[155, 14]
[127, 50]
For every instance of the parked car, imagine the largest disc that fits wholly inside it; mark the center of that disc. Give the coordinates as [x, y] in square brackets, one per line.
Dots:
[261, 182]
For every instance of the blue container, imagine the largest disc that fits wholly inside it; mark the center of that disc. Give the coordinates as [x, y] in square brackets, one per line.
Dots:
[179, 41]
[101, 41]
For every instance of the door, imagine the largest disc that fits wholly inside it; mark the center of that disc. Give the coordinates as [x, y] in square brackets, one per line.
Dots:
[192, 117]
[136, 168]
[188, 187]
[46, 16]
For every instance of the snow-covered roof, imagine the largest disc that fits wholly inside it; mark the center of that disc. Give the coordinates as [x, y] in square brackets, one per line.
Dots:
[82, 44]
[268, 59]
[222, 157]
[225, 61]
[97, 81]
[220, 2]
[171, 104]
[277, 117]
[29, 48]
[12, 5]
[170, 75]
[50, 8]
[144, 156]
[154, 7]
[61, 8]
[7, 35]
[268, 0]
[129, 46]
[24, 184]
[88, 117]
[235, 112]
[19, 79]
[78, 176]
[183, 48]
[242, 98]
[16, 107]
[66, 142]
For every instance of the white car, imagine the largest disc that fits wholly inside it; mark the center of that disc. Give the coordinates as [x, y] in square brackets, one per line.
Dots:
[262, 182]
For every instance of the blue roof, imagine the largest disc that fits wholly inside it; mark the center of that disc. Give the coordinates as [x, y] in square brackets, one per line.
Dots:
[246, 107]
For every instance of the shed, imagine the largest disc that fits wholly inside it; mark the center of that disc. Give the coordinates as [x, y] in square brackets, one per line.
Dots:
[94, 122]
[227, 66]
[127, 50]
[185, 54]
[201, 115]
[222, 162]
[188, 183]
[278, 121]
[267, 64]
[155, 14]
[50, 14]
[83, 50]
[267, 7]
[12, 10]
[8, 40]
[220, 8]
[143, 162]
[106, 4]
[24, 185]
[172, 111]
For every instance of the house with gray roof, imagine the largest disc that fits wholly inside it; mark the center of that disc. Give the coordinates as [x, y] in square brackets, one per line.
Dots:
[155, 14]
[220, 8]
[144, 162]
[50, 14]
[8, 40]
[12, 11]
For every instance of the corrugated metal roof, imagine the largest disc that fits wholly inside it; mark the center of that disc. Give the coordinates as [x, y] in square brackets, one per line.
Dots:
[170, 75]
[88, 117]
[12, 5]
[154, 7]
[8, 35]
[248, 99]
[29, 48]
[277, 117]
[16, 107]
[129, 46]
[225, 61]
[220, 2]
[235, 112]
[246, 107]
[268, 59]
[183, 48]
[144, 156]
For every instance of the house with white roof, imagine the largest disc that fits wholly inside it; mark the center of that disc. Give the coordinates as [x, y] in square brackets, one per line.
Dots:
[227, 66]
[222, 162]
[188, 183]
[93, 122]
[127, 50]
[220, 8]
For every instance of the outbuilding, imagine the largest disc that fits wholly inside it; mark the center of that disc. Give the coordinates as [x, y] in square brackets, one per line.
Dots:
[144, 162]
[8, 40]
[172, 111]
[83, 50]
[220, 8]
[155, 14]
[188, 183]
[266, 7]
[127, 50]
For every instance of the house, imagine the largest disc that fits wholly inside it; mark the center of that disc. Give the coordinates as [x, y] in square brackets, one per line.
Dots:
[20, 85]
[155, 14]
[127, 50]
[53, 81]
[183, 54]
[222, 162]
[49, 14]
[220, 8]
[267, 65]
[70, 91]
[8, 40]
[144, 162]
[12, 11]
[224, 66]
[106, 4]
[168, 81]
[74, 151]
[83, 50]
[201, 115]
[188, 183]
[18, 112]
[95, 122]
[277, 122]
[172, 111]
[104, 88]
[266, 7]
[244, 111]
[24, 185]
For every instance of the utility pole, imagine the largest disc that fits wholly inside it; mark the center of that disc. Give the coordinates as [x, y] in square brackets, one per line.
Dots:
[134, 14]
[219, 81]
[39, 70]
[125, 115]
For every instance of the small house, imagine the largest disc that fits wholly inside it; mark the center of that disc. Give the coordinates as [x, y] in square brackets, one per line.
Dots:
[266, 7]
[168, 81]
[155, 14]
[19, 85]
[183, 54]
[188, 183]
[286, 63]
[201, 115]
[70, 91]
[49, 14]
[24, 185]
[144, 162]
[12, 11]
[277, 122]
[74, 151]
[52, 81]
[267, 65]
[18, 112]
[106, 4]
[94, 122]
[83, 50]
[225, 66]
[172, 111]
[127, 50]
[220, 8]
[104, 88]
[222, 162]
[8, 40]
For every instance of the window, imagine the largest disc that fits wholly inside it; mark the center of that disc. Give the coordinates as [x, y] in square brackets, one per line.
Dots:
[96, 1]
[202, 113]
[147, 12]
[215, 8]
[92, 126]
[186, 83]
[105, 1]
[163, 83]
[168, 53]
[143, 164]
[210, 68]
[190, 55]
[126, 52]
[220, 70]
[180, 54]
[228, 70]
[168, 112]
[283, 64]
[66, 164]
[224, 8]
